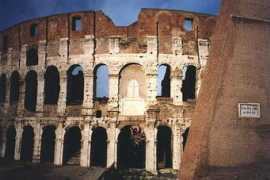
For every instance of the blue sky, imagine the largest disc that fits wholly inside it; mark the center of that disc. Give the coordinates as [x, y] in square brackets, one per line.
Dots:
[122, 12]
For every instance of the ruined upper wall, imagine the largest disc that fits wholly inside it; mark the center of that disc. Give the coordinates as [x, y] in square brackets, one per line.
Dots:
[163, 24]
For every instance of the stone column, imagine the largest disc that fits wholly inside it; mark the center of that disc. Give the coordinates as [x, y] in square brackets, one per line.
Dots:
[176, 86]
[40, 92]
[112, 133]
[18, 142]
[42, 48]
[86, 146]
[6, 105]
[20, 109]
[151, 87]
[61, 106]
[151, 160]
[177, 146]
[37, 143]
[59, 145]
[113, 91]
[3, 143]
[88, 93]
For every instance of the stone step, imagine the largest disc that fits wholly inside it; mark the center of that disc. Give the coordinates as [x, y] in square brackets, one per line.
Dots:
[75, 159]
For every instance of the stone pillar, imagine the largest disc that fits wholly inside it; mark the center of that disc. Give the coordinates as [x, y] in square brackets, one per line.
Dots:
[113, 91]
[18, 142]
[176, 86]
[177, 143]
[151, 87]
[37, 143]
[112, 133]
[61, 106]
[150, 159]
[3, 143]
[59, 145]
[40, 92]
[20, 109]
[88, 93]
[86, 146]
[6, 105]
[42, 48]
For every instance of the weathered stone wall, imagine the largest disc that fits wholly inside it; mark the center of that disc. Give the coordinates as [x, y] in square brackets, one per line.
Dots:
[156, 38]
[219, 136]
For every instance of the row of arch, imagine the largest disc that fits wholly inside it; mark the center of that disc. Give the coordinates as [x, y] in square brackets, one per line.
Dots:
[130, 153]
[75, 85]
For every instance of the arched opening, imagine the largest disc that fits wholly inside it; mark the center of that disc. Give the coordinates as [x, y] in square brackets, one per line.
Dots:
[75, 85]
[14, 88]
[3, 86]
[27, 144]
[132, 90]
[32, 56]
[189, 83]
[47, 144]
[164, 80]
[72, 146]
[52, 86]
[31, 91]
[10, 142]
[164, 147]
[99, 147]
[185, 138]
[101, 82]
[131, 148]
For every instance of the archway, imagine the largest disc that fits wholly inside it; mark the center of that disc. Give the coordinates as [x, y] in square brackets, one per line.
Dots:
[164, 147]
[14, 88]
[72, 146]
[131, 148]
[185, 137]
[99, 147]
[31, 91]
[3, 85]
[47, 144]
[52, 86]
[10, 142]
[27, 144]
[101, 81]
[75, 85]
[164, 80]
[189, 83]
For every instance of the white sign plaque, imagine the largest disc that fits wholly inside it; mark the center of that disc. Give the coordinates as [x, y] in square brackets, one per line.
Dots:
[249, 110]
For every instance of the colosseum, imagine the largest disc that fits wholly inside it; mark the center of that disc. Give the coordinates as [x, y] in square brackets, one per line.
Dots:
[77, 89]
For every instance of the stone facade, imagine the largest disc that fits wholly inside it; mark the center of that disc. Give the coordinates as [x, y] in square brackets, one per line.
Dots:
[132, 54]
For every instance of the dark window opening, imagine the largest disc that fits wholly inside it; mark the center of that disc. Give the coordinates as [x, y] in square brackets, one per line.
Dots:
[3, 86]
[131, 148]
[52, 85]
[31, 91]
[27, 144]
[101, 82]
[98, 114]
[75, 85]
[164, 81]
[188, 24]
[164, 147]
[189, 84]
[76, 23]
[72, 146]
[185, 137]
[34, 30]
[14, 88]
[32, 56]
[10, 142]
[47, 144]
[99, 147]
